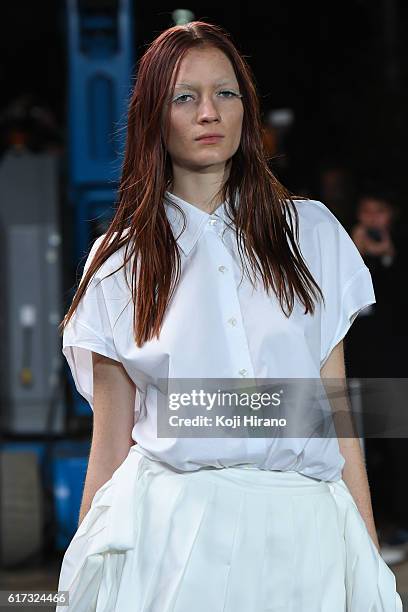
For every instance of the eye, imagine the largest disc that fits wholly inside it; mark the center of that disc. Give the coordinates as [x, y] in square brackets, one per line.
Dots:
[178, 99]
[232, 94]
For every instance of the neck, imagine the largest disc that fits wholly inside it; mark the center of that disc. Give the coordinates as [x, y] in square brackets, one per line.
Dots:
[201, 190]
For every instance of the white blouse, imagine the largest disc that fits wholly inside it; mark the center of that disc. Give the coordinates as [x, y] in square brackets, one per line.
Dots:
[218, 327]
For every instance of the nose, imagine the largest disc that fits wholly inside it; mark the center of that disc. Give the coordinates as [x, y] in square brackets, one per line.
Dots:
[207, 110]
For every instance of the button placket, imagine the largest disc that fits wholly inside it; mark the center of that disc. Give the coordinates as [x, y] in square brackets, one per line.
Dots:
[238, 335]
[240, 360]
[233, 322]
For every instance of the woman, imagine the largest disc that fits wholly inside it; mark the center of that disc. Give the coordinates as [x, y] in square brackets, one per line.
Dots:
[214, 523]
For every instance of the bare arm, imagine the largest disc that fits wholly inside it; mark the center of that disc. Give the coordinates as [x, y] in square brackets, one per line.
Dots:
[354, 470]
[114, 398]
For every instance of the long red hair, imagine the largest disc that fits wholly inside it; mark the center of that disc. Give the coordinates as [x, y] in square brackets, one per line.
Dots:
[140, 221]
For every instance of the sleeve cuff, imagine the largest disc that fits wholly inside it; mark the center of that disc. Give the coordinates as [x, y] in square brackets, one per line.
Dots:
[78, 353]
[358, 293]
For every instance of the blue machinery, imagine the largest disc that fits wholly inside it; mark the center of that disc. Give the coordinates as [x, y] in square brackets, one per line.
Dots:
[100, 59]
[100, 52]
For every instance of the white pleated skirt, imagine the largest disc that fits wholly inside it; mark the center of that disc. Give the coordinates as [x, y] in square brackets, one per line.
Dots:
[237, 539]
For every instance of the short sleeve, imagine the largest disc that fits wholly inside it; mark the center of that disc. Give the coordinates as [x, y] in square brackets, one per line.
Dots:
[346, 283]
[89, 330]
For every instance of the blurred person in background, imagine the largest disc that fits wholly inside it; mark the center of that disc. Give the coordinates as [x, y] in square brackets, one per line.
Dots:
[381, 243]
[376, 236]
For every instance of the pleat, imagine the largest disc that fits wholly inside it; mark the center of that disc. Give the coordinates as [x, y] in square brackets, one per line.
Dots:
[307, 575]
[83, 590]
[278, 573]
[207, 570]
[248, 554]
[113, 564]
[370, 583]
[331, 589]
[175, 531]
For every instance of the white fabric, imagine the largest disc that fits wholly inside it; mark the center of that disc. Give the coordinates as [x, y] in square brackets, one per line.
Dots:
[237, 540]
[217, 327]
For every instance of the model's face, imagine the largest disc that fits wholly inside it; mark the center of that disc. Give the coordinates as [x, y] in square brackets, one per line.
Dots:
[374, 213]
[205, 100]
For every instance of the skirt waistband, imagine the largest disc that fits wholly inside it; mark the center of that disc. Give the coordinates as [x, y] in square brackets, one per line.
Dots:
[270, 482]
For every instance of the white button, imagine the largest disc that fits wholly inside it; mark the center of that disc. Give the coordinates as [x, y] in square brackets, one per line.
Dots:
[243, 372]
[232, 321]
[212, 221]
[222, 268]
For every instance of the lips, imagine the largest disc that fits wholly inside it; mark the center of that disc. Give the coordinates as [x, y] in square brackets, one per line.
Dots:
[210, 136]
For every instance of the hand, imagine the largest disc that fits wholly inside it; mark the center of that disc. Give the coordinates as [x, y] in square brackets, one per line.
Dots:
[367, 245]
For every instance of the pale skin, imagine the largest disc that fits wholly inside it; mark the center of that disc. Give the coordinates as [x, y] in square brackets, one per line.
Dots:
[114, 400]
[354, 471]
[198, 105]
[206, 99]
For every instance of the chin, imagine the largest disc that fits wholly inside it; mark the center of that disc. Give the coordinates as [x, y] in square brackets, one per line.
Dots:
[210, 162]
[211, 157]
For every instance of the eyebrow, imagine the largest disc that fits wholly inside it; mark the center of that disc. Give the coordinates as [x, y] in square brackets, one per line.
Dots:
[194, 85]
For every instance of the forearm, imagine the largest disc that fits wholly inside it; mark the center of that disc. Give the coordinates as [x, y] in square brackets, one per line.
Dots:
[96, 476]
[113, 419]
[355, 476]
[103, 461]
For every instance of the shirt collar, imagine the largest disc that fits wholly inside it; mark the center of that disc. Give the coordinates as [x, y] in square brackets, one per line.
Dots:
[196, 220]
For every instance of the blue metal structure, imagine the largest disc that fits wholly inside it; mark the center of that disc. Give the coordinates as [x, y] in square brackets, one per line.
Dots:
[100, 61]
[100, 58]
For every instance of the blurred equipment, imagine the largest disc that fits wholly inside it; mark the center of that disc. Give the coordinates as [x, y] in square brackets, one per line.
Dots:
[30, 306]
[281, 118]
[276, 129]
[28, 124]
[69, 465]
[100, 65]
[100, 60]
[182, 16]
[21, 508]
